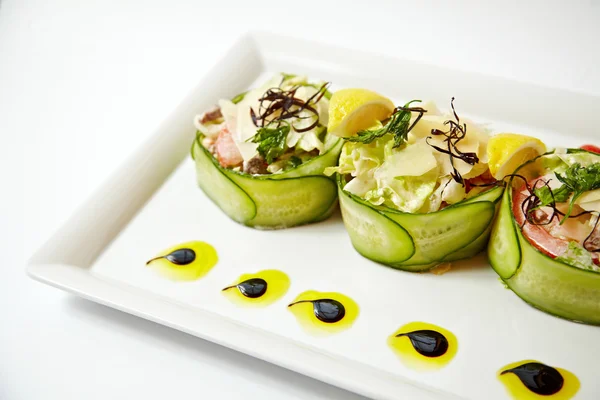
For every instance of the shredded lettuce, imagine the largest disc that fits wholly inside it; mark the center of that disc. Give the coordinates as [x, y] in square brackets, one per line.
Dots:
[579, 257]
[360, 160]
[560, 161]
[405, 193]
[413, 177]
[402, 179]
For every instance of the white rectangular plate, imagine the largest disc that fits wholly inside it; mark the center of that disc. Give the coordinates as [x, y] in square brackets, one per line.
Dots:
[153, 202]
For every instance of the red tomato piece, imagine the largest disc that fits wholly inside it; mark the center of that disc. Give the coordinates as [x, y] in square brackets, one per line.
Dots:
[592, 148]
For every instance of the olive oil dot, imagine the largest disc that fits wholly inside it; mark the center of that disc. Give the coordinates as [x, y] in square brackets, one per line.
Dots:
[323, 313]
[258, 289]
[185, 262]
[530, 379]
[423, 346]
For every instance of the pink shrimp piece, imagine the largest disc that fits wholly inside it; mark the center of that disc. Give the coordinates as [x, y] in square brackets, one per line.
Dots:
[226, 150]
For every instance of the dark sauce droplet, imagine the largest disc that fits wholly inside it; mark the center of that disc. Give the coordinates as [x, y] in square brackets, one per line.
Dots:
[178, 257]
[182, 256]
[326, 310]
[252, 288]
[329, 310]
[539, 378]
[427, 342]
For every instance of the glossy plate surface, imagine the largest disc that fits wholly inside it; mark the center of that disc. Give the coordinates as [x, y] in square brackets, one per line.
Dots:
[153, 202]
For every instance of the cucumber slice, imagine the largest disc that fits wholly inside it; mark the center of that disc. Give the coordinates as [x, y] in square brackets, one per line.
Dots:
[549, 285]
[441, 233]
[228, 196]
[456, 232]
[298, 196]
[373, 234]
[556, 288]
[493, 195]
[314, 166]
[504, 252]
[473, 248]
[479, 244]
[283, 203]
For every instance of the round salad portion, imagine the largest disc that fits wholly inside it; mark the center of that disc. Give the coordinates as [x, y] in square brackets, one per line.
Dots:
[545, 244]
[416, 189]
[261, 155]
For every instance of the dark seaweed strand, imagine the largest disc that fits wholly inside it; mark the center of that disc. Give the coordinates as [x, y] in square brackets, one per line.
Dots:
[532, 202]
[285, 101]
[454, 135]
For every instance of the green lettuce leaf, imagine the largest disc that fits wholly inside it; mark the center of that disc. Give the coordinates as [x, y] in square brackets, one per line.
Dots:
[404, 193]
[360, 160]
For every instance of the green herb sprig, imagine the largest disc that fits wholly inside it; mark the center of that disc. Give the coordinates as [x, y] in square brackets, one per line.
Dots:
[398, 125]
[578, 180]
[549, 197]
[272, 141]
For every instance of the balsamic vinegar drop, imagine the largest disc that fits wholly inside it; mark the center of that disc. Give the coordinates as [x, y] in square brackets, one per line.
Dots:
[252, 288]
[258, 289]
[537, 377]
[320, 313]
[534, 380]
[185, 262]
[326, 310]
[423, 346]
[427, 342]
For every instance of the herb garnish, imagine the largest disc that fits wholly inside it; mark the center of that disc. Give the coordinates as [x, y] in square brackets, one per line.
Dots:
[276, 105]
[397, 125]
[548, 196]
[541, 195]
[455, 134]
[577, 180]
[272, 141]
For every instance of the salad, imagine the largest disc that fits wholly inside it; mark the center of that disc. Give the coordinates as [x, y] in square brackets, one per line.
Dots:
[416, 189]
[545, 244]
[260, 156]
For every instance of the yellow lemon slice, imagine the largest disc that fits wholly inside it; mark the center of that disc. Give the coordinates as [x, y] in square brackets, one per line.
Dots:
[507, 151]
[352, 110]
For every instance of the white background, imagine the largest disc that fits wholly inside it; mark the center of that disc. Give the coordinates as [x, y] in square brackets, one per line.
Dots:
[83, 83]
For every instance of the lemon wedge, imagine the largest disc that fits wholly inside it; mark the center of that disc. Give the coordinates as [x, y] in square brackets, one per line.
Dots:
[507, 151]
[352, 110]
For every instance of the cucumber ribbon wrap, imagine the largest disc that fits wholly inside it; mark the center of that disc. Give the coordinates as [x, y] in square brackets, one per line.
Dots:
[418, 242]
[297, 196]
[545, 283]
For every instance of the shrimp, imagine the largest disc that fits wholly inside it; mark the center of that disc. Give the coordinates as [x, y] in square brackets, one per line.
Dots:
[226, 151]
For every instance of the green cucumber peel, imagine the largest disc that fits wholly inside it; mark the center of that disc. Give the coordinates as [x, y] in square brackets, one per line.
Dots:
[546, 283]
[298, 196]
[453, 233]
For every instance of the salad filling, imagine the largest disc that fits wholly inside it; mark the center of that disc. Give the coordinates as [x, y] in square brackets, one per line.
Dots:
[260, 157]
[558, 212]
[268, 130]
[418, 161]
[420, 188]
